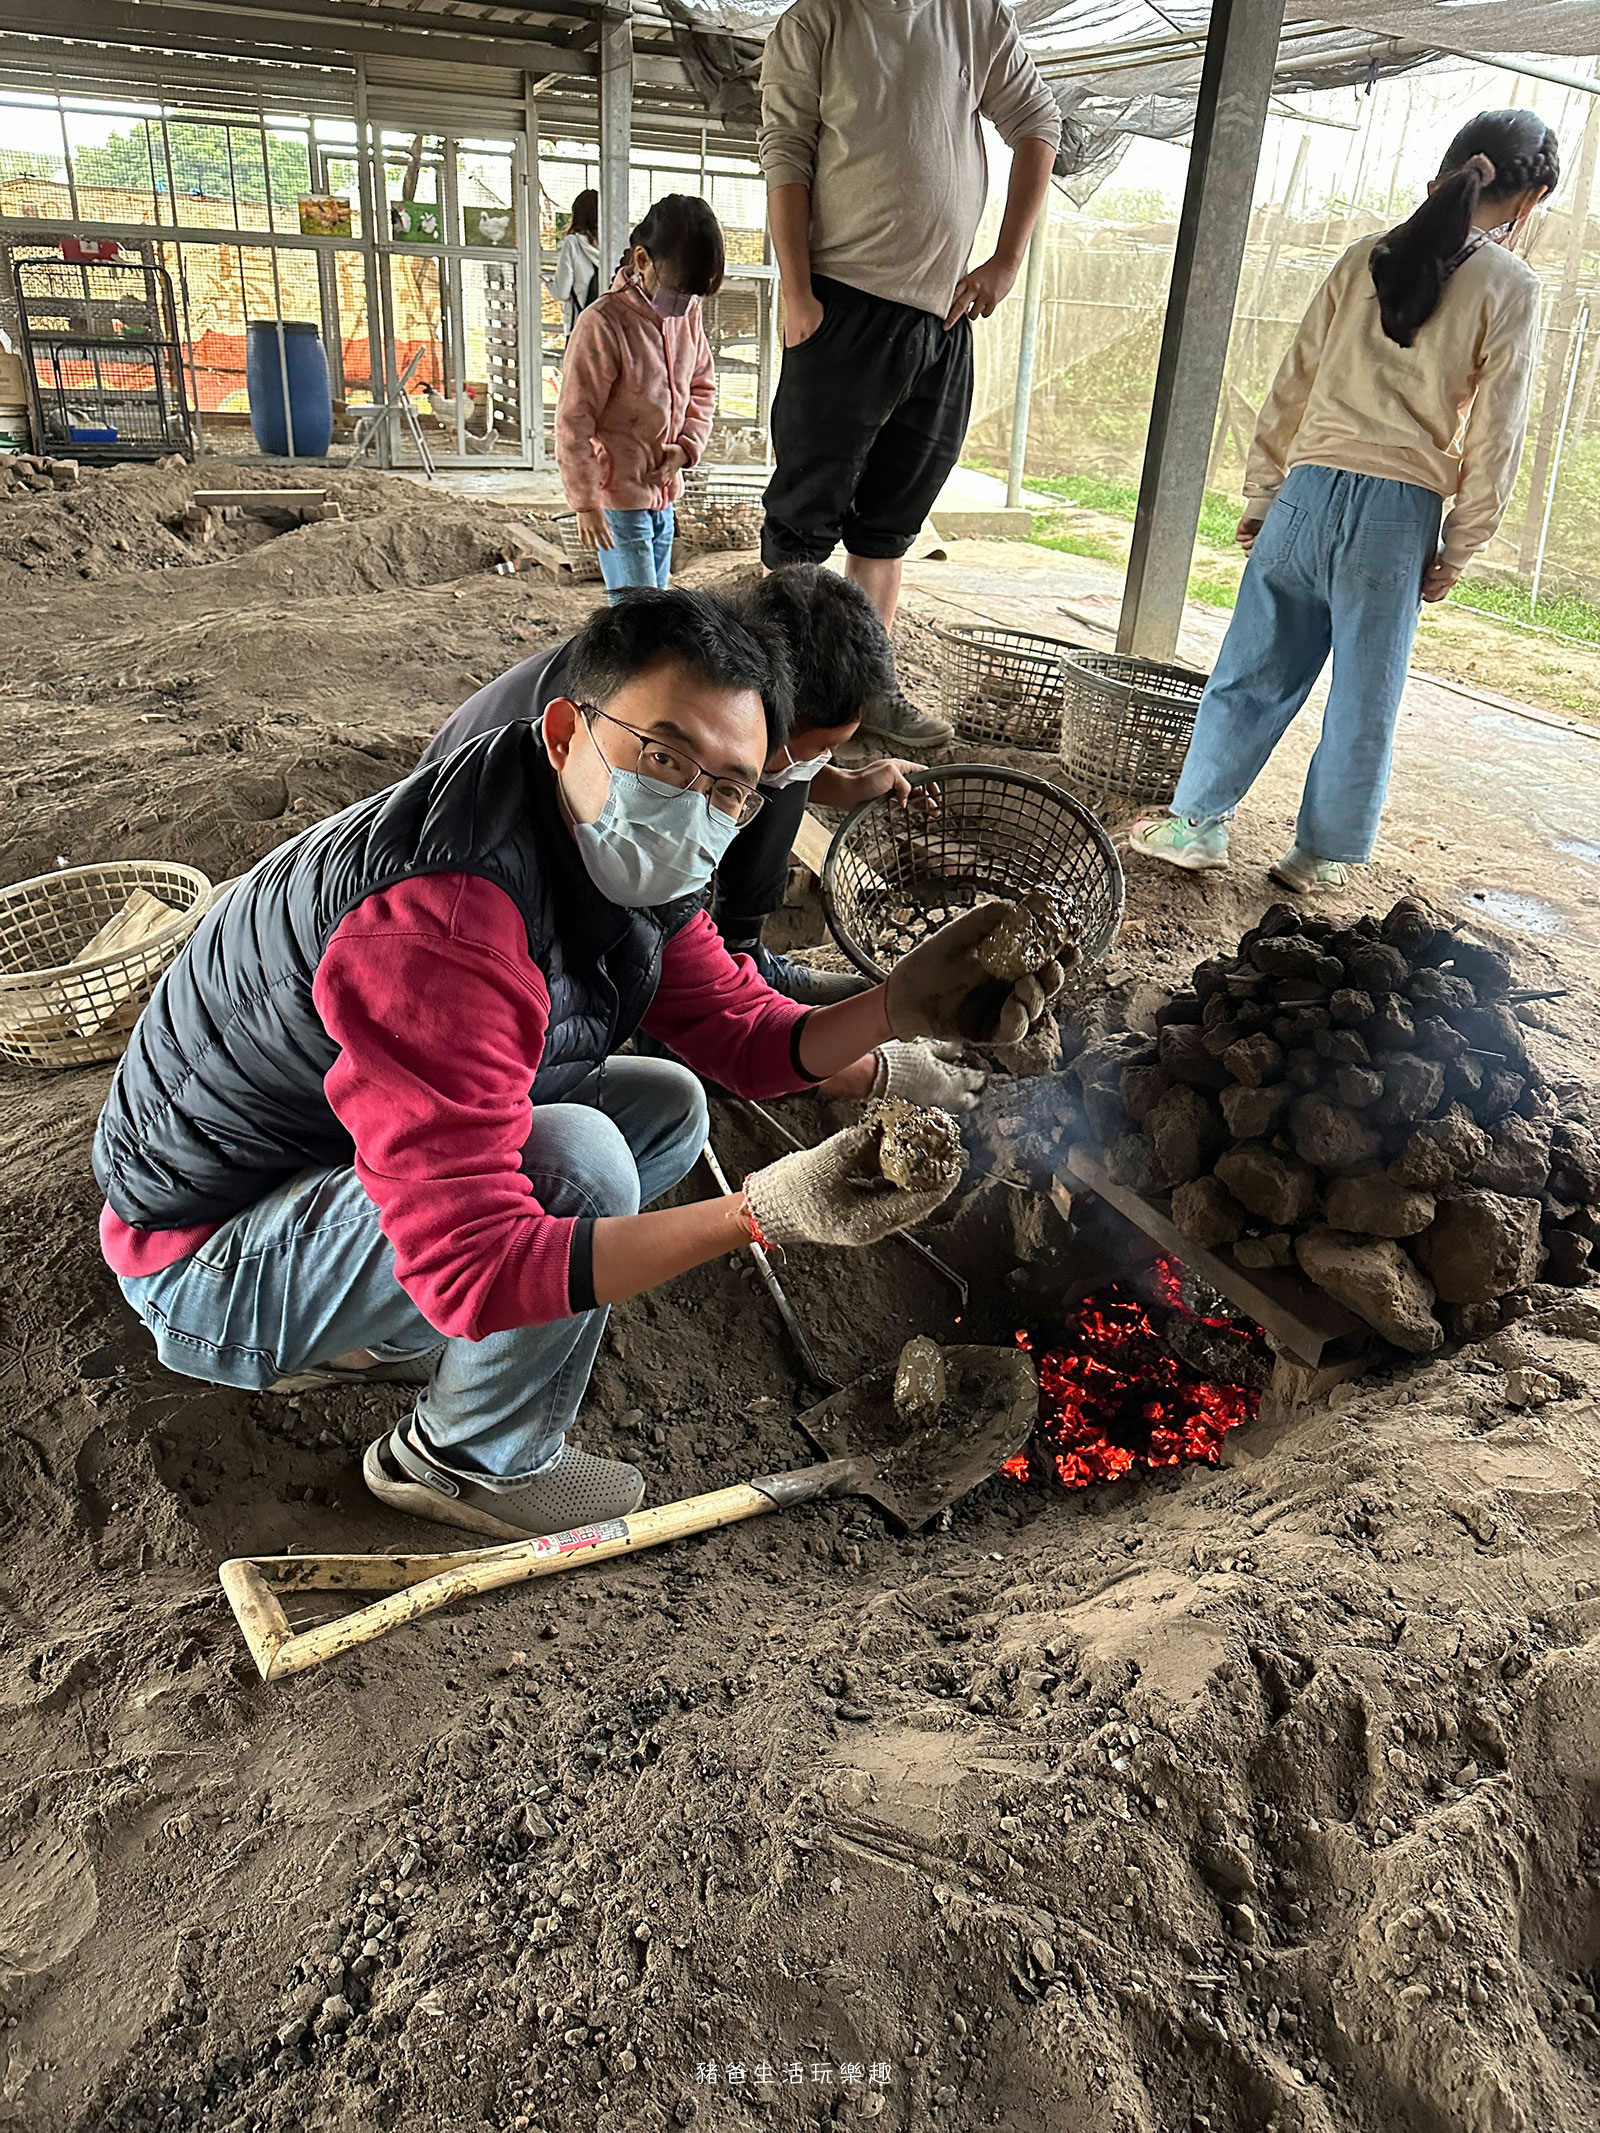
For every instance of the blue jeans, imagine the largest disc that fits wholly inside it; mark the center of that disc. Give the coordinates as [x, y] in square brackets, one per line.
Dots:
[306, 1274]
[1337, 566]
[643, 551]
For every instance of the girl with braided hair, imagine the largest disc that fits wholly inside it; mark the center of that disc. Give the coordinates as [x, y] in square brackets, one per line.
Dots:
[1405, 392]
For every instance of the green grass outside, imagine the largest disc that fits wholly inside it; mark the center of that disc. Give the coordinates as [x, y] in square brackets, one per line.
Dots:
[1219, 513]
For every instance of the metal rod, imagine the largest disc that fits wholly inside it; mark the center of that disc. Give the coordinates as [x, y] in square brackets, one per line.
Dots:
[912, 1244]
[797, 1332]
[1580, 335]
[1027, 341]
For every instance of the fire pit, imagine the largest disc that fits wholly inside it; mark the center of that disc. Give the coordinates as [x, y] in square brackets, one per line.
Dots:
[1141, 1376]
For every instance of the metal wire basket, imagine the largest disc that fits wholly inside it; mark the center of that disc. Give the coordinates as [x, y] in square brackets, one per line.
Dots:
[80, 952]
[1004, 685]
[895, 874]
[721, 507]
[585, 563]
[1126, 728]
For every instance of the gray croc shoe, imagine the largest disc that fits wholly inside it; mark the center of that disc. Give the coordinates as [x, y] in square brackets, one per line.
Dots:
[579, 1490]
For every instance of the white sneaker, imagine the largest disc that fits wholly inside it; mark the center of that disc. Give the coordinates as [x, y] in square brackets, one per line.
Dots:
[1306, 874]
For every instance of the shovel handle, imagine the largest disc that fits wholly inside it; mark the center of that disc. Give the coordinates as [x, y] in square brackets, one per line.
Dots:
[277, 1650]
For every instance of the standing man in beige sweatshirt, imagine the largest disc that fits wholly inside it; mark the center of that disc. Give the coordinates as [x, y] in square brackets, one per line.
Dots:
[876, 179]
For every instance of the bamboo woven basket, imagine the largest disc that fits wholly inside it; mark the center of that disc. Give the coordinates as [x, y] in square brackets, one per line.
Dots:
[56, 1011]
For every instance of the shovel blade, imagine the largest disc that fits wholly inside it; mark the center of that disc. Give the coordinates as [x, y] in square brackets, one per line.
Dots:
[914, 1471]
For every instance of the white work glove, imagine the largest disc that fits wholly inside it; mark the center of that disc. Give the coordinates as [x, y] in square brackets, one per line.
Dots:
[944, 988]
[836, 1194]
[927, 1072]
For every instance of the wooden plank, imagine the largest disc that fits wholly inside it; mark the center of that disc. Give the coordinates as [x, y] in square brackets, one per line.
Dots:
[1299, 1315]
[811, 842]
[261, 499]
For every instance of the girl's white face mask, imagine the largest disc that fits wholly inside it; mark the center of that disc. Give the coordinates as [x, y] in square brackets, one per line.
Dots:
[797, 772]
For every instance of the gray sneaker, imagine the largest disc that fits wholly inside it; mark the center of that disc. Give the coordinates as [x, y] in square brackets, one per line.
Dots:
[579, 1490]
[895, 720]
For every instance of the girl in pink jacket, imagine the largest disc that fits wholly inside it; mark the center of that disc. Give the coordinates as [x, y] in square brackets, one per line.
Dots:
[637, 390]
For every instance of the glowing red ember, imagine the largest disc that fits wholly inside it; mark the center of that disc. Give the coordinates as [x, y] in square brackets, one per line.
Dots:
[1116, 1399]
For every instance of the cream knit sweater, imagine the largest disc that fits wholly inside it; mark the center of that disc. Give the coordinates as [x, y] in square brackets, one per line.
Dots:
[1448, 413]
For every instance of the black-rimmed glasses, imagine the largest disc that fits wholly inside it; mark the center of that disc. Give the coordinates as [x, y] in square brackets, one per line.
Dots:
[668, 765]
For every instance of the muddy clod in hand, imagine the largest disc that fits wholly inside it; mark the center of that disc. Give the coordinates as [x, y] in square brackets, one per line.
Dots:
[919, 1380]
[919, 1149]
[1038, 930]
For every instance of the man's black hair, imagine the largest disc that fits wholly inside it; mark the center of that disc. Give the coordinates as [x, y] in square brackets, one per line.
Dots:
[838, 648]
[716, 644]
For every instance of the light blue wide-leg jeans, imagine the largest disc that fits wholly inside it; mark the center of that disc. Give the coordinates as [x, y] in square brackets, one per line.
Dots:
[642, 551]
[1337, 567]
[306, 1274]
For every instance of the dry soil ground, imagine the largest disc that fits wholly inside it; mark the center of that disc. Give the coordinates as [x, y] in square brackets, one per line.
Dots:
[1264, 1798]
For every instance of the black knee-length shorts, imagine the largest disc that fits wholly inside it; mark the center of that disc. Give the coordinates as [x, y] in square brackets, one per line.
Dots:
[869, 418]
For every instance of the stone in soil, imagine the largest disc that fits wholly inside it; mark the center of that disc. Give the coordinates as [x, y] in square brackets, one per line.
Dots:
[1280, 1189]
[1207, 1213]
[1375, 1278]
[1479, 1245]
[1378, 1207]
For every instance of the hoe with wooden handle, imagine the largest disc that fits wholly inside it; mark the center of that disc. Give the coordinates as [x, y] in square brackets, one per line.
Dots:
[988, 1415]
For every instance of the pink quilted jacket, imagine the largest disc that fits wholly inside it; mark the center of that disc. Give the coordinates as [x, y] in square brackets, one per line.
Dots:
[632, 383]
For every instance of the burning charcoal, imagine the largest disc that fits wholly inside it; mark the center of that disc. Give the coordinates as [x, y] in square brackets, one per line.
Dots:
[1343, 1046]
[1276, 1248]
[1184, 1055]
[1480, 1245]
[1412, 927]
[1357, 1086]
[1442, 1153]
[1517, 1161]
[1484, 968]
[1253, 1114]
[1412, 1088]
[919, 1380]
[1378, 1207]
[1575, 1161]
[1278, 1188]
[1329, 1137]
[1568, 1258]
[1219, 1037]
[1142, 1088]
[1439, 994]
[1392, 1027]
[1210, 977]
[1347, 1006]
[1038, 930]
[1378, 968]
[1207, 1213]
[1131, 1161]
[1182, 1008]
[919, 1148]
[1216, 1353]
[1373, 1277]
[1305, 1068]
[1186, 1131]
[1254, 1060]
[1288, 955]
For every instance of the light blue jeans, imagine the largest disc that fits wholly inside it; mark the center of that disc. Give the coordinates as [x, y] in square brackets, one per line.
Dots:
[306, 1274]
[1336, 567]
[643, 551]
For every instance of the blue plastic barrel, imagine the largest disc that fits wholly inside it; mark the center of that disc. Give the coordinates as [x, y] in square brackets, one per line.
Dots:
[310, 401]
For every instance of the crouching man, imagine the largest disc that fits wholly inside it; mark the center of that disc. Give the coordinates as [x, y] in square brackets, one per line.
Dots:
[372, 1123]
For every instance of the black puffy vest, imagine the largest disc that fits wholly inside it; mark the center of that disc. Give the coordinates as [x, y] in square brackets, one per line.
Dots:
[219, 1096]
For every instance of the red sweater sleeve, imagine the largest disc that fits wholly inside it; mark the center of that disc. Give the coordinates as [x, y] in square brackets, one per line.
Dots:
[720, 1015]
[440, 1016]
